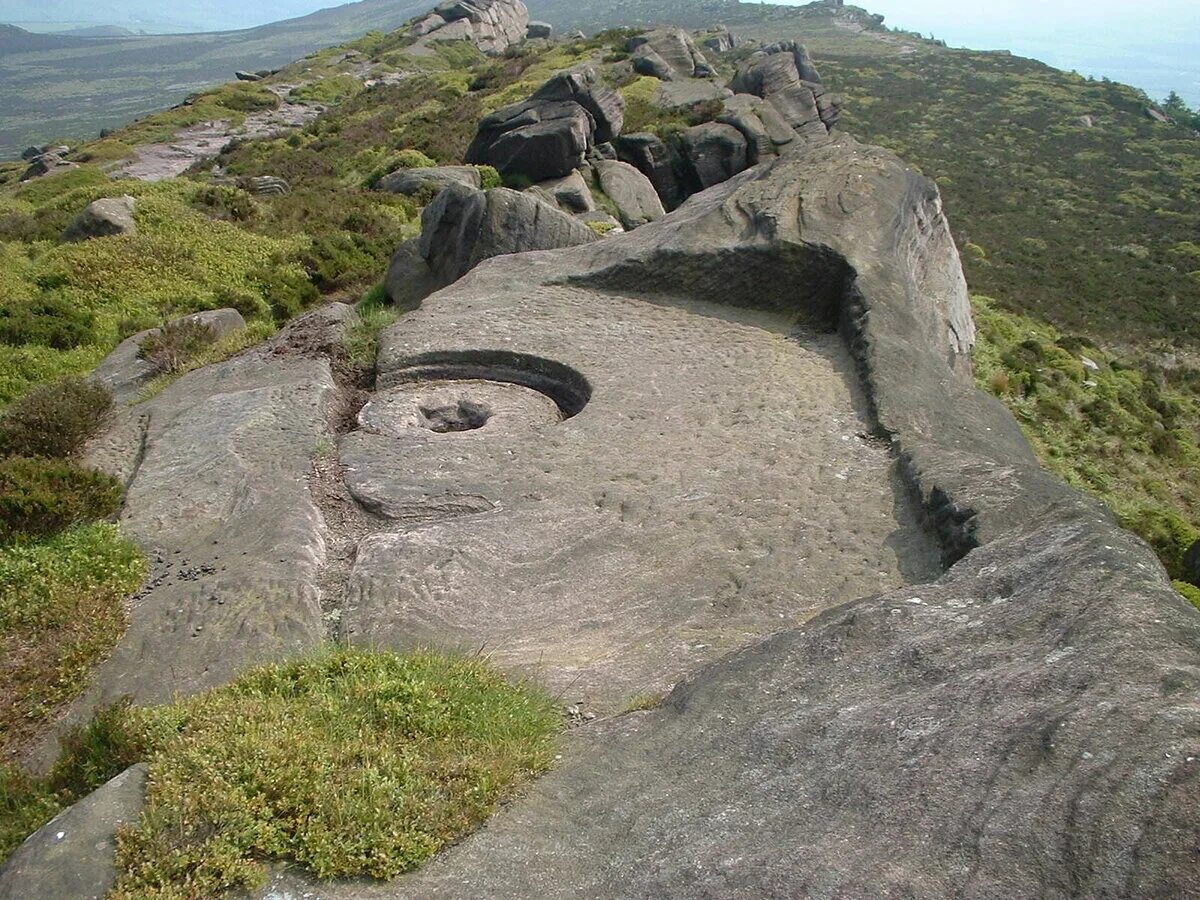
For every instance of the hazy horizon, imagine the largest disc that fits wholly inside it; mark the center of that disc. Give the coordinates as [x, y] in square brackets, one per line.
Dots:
[1154, 46]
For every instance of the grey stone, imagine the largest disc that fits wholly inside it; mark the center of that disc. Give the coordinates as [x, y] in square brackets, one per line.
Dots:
[409, 279]
[125, 373]
[463, 227]
[570, 194]
[972, 736]
[268, 186]
[668, 53]
[247, 76]
[47, 164]
[784, 75]
[539, 139]
[72, 855]
[492, 25]
[414, 181]
[715, 152]
[1157, 115]
[722, 41]
[430, 23]
[631, 191]
[651, 156]
[107, 217]
[604, 105]
[29, 154]
[539, 31]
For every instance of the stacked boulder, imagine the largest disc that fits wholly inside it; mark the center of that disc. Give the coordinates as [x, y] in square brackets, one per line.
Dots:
[46, 162]
[492, 25]
[784, 76]
[668, 54]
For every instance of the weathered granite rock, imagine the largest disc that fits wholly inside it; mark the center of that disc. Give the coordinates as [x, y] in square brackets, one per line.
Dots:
[1024, 726]
[430, 23]
[414, 181]
[570, 194]
[539, 31]
[715, 153]
[72, 855]
[463, 227]
[604, 105]
[784, 75]
[668, 54]
[651, 156]
[125, 373]
[409, 279]
[631, 191]
[241, 75]
[539, 139]
[107, 217]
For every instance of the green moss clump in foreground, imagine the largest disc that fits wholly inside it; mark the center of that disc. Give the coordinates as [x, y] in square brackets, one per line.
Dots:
[350, 763]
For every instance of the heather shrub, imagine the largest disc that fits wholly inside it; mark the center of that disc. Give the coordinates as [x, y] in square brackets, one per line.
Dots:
[41, 497]
[48, 321]
[54, 420]
[174, 345]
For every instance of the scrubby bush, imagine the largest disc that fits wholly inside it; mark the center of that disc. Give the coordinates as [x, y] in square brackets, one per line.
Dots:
[1190, 592]
[41, 497]
[48, 320]
[1166, 532]
[54, 420]
[174, 345]
[220, 201]
[489, 177]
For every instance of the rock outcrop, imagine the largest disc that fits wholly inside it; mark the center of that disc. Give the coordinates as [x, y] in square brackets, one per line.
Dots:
[634, 196]
[668, 54]
[715, 153]
[783, 75]
[463, 227]
[970, 736]
[570, 194]
[47, 164]
[106, 217]
[492, 25]
[415, 181]
[539, 31]
[651, 156]
[603, 104]
[125, 373]
[72, 855]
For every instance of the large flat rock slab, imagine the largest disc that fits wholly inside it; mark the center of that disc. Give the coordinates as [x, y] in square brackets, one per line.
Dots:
[719, 484]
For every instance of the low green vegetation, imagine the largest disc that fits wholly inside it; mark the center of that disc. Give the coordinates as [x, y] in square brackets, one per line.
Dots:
[55, 419]
[1126, 430]
[61, 611]
[349, 763]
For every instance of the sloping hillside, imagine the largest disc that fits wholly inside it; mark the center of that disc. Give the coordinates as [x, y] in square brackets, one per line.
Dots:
[58, 87]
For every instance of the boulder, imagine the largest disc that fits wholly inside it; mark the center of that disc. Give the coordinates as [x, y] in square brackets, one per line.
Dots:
[1157, 115]
[414, 181]
[73, 854]
[247, 76]
[267, 185]
[29, 154]
[493, 25]
[636, 200]
[784, 75]
[1191, 564]
[106, 217]
[667, 54]
[463, 227]
[539, 139]
[539, 31]
[125, 373]
[604, 105]
[409, 279]
[47, 164]
[651, 156]
[759, 145]
[715, 152]
[570, 194]
[427, 25]
[722, 41]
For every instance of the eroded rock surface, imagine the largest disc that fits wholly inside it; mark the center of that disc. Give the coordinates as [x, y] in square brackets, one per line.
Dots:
[783, 75]
[492, 25]
[435, 178]
[107, 217]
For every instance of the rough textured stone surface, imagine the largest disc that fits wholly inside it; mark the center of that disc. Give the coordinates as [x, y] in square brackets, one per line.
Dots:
[540, 139]
[107, 217]
[570, 194]
[492, 25]
[604, 105]
[1024, 726]
[72, 855]
[539, 31]
[668, 54]
[125, 373]
[463, 227]
[413, 181]
[631, 191]
[219, 500]
[409, 279]
[653, 158]
[47, 164]
[715, 153]
[722, 41]
[784, 75]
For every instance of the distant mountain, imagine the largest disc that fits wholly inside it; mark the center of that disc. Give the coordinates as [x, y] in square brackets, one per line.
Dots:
[60, 86]
[100, 31]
